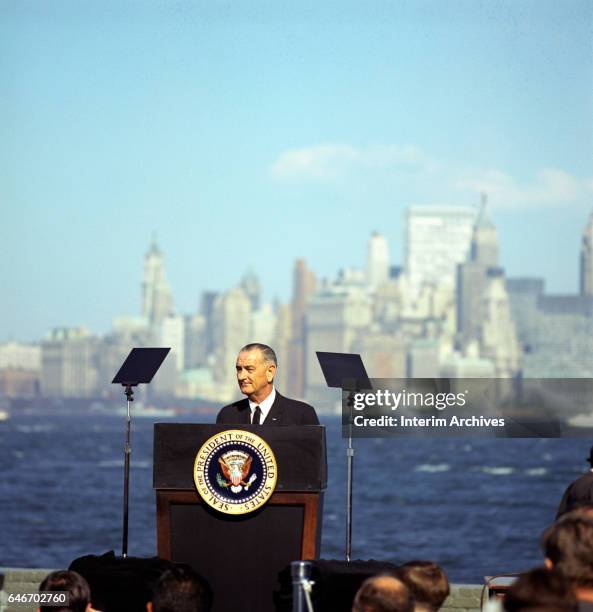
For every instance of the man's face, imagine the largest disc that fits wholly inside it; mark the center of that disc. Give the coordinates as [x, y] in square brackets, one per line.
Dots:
[254, 376]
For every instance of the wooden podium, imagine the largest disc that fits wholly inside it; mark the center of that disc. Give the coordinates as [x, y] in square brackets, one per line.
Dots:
[240, 556]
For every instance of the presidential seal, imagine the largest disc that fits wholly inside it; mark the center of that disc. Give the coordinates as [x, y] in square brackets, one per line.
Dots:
[235, 472]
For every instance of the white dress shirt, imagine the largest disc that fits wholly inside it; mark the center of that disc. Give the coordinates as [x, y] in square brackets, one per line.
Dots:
[265, 406]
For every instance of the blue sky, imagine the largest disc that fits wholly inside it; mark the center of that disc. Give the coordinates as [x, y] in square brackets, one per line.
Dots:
[249, 134]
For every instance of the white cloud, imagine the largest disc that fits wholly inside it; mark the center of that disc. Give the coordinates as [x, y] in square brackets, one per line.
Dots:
[331, 161]
[421, 177]
[550, 187]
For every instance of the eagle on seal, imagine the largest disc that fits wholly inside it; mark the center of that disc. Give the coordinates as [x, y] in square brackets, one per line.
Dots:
[235, 472]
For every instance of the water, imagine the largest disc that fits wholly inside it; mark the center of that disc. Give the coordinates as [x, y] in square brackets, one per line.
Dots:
[476, 506]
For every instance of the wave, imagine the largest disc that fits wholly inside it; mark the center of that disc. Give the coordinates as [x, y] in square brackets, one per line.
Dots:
[432, 468]
[119, 463]
[537, 471]
[37, 428]
[497, 471]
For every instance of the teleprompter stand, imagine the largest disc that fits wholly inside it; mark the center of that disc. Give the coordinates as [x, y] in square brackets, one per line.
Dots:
[139, 367]
[347, 372]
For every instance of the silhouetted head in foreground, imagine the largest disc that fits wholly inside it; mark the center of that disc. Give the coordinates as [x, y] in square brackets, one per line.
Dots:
[79, 592]
[383, 593]
[181, 589]
[540, 590]
[427, 582]
[568, 549]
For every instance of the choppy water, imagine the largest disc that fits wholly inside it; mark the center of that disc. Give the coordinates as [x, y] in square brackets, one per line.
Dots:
[477, 506]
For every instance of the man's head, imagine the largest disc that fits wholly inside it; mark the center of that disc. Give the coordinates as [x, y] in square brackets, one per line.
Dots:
[79, 593]
[256, 367]
[180, 589]
[540, 590]
[427, 582]
[585, 510]
[568, 548]
[383, 593]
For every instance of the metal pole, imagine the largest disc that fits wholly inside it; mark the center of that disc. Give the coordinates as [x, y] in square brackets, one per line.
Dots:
[350, 476]
[301, 572]
[127, 452]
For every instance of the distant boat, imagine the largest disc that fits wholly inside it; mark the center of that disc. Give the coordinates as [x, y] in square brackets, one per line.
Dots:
[4, 415]
[149, 412]
[138, 410]
[581, 420]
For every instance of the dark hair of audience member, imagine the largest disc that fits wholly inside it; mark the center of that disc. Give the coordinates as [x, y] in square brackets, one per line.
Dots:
[181, 589]
[427, 582]
[568, 546]
[76, 586]
[383, 593]
[582, 510]
[540, 590]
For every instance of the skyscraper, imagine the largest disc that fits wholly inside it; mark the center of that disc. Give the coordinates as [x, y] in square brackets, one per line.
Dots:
[587, 259]
[157, 302]
[173, 335]
[335, 317]
[231, 322]
[483, 311]
[555, 331]
[498, 338]
[472, 275]
[69, 363]
[437, 239]
[207, 311]
[303, 286]
[252, 287]
[377, 271]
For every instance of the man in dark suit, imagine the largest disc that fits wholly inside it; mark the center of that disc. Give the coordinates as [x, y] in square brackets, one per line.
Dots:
[256, 366]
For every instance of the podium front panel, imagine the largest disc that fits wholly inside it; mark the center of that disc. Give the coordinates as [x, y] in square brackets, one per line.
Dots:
[240, 555]
[299, 450]
[240, 559]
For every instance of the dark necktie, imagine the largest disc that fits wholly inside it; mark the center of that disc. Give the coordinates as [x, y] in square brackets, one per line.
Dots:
[257, 416]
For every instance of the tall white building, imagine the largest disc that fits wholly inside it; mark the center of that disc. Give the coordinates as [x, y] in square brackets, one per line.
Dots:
[437, 240]
[20, 366]
[334, 318]
[587, 259]
[377, 271]
[251, 284]
[231, 321]
[498, 338]
[69, 360]
[263, 324]
[19, 356]
[157, 302]
[173, 335]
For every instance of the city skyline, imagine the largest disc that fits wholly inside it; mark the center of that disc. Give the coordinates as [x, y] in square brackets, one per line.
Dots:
[462, 318]
[358, 268]
[248, 138]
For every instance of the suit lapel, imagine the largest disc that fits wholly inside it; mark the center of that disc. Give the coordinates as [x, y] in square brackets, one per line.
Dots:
[245, 412]
[276, 411]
